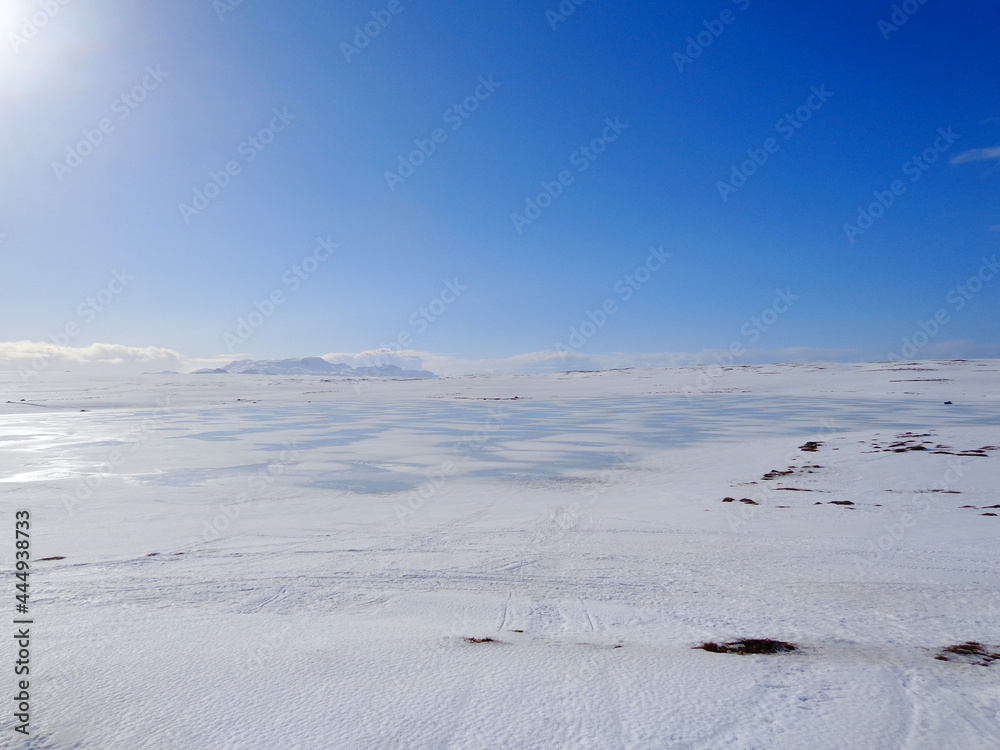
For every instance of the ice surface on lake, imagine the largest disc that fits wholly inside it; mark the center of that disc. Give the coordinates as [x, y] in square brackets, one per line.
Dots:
[495, 440]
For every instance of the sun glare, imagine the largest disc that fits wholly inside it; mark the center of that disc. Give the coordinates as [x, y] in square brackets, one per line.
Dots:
[31, 37]
[21, 22]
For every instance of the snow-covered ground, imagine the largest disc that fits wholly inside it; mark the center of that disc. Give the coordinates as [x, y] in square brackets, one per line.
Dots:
[509, 561]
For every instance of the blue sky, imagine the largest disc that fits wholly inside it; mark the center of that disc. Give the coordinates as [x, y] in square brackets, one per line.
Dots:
[473, 183]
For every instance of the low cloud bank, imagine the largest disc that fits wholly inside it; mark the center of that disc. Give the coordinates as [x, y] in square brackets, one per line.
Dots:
[30, 357]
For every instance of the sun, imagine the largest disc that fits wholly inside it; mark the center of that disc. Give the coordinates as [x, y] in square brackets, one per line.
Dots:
[26, 26]
[16, 26]
[32, 37]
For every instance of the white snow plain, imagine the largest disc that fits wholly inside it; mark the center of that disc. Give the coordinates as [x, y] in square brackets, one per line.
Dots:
[298, 563]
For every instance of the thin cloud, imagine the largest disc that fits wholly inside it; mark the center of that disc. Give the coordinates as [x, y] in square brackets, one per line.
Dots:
[977, 154]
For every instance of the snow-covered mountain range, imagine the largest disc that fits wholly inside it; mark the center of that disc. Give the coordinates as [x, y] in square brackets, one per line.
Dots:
[313, 366]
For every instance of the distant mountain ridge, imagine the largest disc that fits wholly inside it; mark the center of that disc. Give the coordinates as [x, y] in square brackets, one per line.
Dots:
[312, 366]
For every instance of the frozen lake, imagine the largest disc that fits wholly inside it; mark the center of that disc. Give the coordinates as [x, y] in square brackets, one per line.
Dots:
[334, 444]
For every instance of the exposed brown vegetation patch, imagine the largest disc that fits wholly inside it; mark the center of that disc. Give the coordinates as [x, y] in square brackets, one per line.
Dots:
[805, 469]
[908, 441]
[749, 646]
[476, 398]
[970, 652]
[774, 474]
[810, 446]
